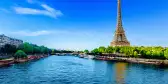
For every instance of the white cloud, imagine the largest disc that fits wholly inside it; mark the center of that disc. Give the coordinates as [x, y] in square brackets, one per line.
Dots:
[47, 10]
[29, 33]
[39, 33]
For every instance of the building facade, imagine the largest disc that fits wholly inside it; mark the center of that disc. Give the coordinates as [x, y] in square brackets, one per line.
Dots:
[8, 40]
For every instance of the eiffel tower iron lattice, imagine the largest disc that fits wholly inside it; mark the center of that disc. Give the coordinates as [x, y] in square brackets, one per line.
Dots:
[119, 37]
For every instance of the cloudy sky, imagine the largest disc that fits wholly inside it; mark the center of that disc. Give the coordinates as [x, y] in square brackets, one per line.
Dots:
[84, 24]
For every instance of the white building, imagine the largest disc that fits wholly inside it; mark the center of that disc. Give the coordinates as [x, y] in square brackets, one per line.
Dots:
[8, 40]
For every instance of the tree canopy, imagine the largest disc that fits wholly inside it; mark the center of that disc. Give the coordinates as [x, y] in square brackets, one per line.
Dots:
[20, 54]
[142, 52]
[33, 49]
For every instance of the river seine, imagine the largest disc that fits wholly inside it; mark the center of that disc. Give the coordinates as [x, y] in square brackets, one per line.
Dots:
[74, 70]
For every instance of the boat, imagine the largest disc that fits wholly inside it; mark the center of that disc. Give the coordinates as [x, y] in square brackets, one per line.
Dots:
[91, 57]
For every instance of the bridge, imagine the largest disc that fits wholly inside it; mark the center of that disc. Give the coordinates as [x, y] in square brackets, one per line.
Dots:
[65, 54]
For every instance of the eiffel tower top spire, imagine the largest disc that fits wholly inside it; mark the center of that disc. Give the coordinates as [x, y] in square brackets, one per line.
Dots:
[119, 18]
[120, 37]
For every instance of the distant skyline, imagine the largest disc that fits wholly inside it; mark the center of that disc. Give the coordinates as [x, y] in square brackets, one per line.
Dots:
[84, 24]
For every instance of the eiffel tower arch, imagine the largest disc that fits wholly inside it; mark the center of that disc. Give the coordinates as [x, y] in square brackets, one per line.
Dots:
[120, 38]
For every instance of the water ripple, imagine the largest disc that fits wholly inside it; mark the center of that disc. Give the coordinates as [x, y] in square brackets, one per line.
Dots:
[74, 70]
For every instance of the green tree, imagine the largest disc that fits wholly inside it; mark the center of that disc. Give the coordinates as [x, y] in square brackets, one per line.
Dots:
[36, 50]
[53, 51]
[142, 53]
[20, 54]
[148, 54]
[117, 49]
[109, 50]
[43, 50]
[86, 51]
[166, 53]
[101, 49]
[95, 51]
[28, 48]
[135, 54]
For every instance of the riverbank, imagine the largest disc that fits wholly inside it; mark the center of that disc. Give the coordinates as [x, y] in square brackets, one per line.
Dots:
[8, 62]
[134, 60]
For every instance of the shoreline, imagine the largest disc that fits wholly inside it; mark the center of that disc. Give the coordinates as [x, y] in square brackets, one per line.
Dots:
[10, 61]
[159, 62]
[134, 60]
[6, 62]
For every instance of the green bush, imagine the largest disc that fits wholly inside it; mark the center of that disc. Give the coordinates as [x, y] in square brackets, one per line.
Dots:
[20, 54]
[86, 51]
[95, 51]
[135, 54]
[166, 53]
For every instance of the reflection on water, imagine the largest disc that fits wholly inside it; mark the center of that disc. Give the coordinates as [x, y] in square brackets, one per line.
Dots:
[120, 72]
[109, 71]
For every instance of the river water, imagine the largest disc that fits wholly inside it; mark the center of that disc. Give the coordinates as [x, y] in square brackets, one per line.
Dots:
[74, 70]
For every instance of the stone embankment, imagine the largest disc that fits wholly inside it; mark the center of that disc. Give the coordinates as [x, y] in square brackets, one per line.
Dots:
[135, 60]
[8, 62]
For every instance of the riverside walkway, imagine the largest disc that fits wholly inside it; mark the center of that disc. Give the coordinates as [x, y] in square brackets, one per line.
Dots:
[114, 57]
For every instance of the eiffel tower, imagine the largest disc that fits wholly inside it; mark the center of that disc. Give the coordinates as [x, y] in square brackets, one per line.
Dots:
[119, 37]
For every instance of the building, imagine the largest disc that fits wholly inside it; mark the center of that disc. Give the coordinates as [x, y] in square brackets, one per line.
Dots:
[119, 37]
[8, 40]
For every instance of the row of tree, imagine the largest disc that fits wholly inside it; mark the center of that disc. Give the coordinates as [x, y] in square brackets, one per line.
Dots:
[34, 49]
[26, 47]
[141, 52]
[23, 50]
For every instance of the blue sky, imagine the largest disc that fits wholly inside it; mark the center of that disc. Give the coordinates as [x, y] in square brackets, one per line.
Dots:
[84, 24]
